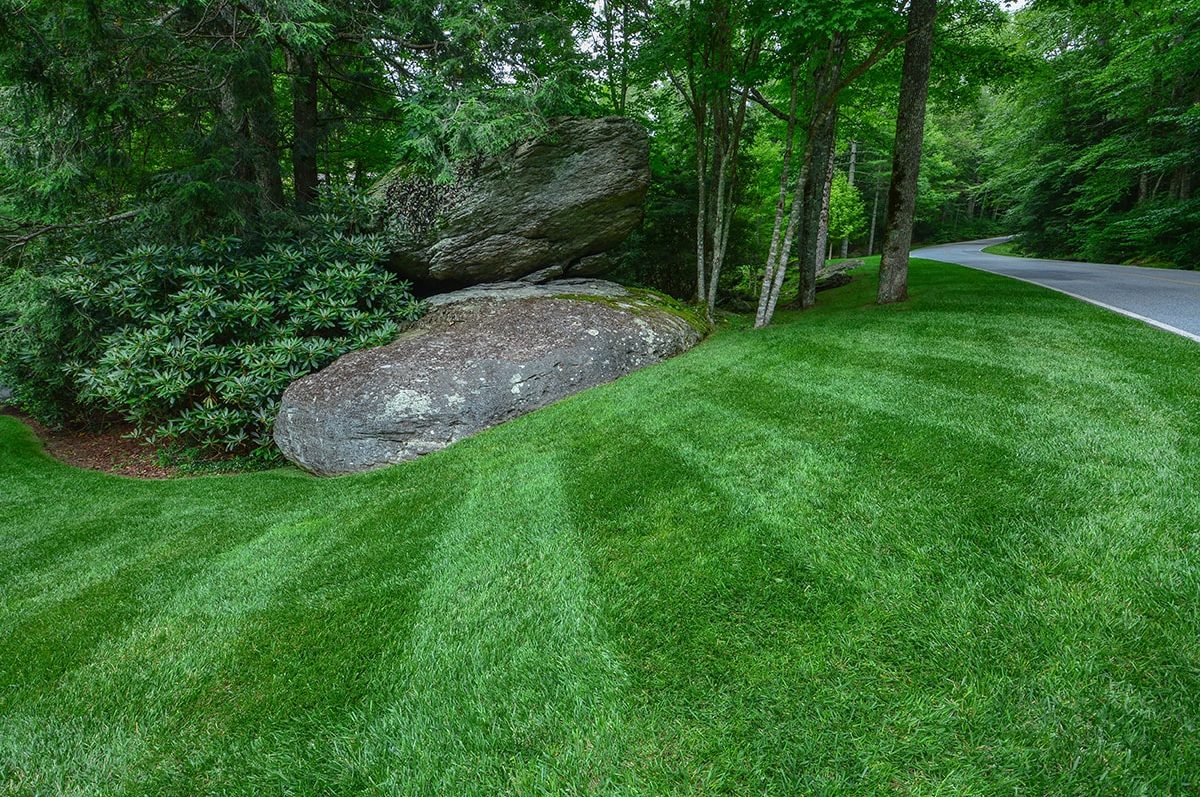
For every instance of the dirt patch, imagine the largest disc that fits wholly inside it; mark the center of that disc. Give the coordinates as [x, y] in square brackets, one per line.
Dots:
[108, 450]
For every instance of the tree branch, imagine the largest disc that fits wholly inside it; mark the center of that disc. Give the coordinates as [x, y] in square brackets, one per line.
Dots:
[21, 239]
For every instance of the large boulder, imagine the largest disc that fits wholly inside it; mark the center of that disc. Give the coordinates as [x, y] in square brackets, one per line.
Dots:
[479, 357]
[548, 206]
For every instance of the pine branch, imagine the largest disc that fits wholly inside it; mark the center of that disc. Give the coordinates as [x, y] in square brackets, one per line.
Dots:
[24, 236]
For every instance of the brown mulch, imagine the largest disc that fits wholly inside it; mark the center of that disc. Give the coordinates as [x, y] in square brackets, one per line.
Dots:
[108, 449]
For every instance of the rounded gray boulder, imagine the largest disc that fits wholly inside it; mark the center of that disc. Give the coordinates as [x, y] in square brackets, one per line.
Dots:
[480, 357]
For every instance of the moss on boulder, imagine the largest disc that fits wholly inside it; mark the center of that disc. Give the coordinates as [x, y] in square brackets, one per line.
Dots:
[480, 356]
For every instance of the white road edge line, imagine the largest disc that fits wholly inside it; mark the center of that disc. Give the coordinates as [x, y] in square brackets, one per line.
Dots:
[1120, 310]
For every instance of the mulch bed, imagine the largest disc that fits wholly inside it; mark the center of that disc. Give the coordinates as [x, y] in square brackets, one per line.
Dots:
[108, 449]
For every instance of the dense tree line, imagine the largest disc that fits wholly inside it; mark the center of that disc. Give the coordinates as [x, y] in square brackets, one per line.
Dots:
[1094, 152]
[756, 108]
[199, 118]
[210, 116]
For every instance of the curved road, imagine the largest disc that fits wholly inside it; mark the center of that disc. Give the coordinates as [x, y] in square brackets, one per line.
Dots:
[1165, 298]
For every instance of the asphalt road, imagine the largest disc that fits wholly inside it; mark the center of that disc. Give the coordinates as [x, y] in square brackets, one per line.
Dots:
[1165, 298]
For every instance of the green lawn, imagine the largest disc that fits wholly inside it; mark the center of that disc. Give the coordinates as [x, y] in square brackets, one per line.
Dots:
[1008, 248]
[950, 547]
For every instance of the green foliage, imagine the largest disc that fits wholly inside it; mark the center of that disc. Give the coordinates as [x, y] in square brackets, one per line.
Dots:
[847, 211]
[442, 131]
[38, 333]
[951, 202]
[189, 111]
[1008, 249]
[657, 254]
[195, 344]
[1096, 150]
[487, 75]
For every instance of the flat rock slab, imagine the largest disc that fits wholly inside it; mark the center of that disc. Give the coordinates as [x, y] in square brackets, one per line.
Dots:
[481, 356]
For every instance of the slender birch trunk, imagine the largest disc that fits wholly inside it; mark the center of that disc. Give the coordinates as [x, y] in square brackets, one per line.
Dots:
[824, 245]
[725, 182]
[719, 221]
[701, 211]
[793, 223]
[785, 175]
[770, 295]
[815, 231]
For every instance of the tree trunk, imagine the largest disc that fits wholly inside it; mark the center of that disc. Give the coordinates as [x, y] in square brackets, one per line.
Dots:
[725, 183]
[230, 109]
[850, 180]
[824, 245]
[793, 223]
[874, 216]
[718, 231]
[701, 208]
[248, 105]
[305, 131]
[259, 104]
[906, 154]
[615, 33]
[773, 252]
[820, 139]
[813, 232]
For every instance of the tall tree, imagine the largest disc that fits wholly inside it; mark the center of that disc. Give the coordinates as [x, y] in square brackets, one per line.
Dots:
[615, 25]
[719, 46]
[906, 154]
[177, 110]
[816, 201]
[872, 36]
[305, 127]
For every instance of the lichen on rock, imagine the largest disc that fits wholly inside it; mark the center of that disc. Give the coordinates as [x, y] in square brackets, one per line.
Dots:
[481, 356]
[555, 205]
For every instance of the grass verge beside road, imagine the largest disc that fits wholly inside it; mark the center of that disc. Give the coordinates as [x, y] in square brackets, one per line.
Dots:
[1008, 249]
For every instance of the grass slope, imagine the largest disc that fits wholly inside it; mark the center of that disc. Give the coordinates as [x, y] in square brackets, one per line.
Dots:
[1008, 248]
[948, 547]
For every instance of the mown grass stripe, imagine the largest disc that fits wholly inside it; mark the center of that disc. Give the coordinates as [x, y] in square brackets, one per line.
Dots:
[506, 683]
